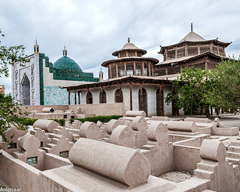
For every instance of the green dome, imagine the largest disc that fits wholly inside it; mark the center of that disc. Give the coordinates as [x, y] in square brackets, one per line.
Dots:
[67, 64]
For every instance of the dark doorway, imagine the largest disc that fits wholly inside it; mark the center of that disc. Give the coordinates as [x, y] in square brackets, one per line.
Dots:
[89, 98]
[25, 90]
[118, 96]
[142, 99]
[160, 102]
[175, 111]
[103, 97]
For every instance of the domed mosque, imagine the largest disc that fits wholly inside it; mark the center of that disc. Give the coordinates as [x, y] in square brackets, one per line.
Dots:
[40, 82]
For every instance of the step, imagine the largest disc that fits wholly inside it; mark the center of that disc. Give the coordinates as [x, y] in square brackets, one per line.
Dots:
[235, 149]
[54, 141]
[51, 145]
[206, 167]
[144, 150]
[235, 143]
[148, 147]
[47, 149]
[74, 131]
[203, 174]
[233, 161]
[233, 155]
[106, 139]
[56, 131]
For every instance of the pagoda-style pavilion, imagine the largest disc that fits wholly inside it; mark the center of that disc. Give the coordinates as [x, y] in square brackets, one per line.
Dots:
[192, 50]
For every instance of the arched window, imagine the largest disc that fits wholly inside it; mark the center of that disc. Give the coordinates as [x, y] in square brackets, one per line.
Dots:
[102, 96]
[159, 107]
[89, 97]
[118, 96]
[142, 99]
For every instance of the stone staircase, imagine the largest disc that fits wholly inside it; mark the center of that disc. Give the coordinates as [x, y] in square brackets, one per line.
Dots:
[205, 169]
[233, 154]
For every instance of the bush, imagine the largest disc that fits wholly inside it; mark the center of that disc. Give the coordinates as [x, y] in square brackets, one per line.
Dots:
[27, 121]
[61, 122]
[103, 119]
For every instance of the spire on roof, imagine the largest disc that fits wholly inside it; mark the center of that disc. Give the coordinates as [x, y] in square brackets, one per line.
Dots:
[191, 26]
[64, 51]
[128, 39]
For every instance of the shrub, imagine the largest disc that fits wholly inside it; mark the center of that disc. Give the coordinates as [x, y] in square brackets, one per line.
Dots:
[103, 119]
[61, 122]
[27, 121]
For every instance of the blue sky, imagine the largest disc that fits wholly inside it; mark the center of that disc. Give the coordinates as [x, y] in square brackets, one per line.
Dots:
[92, 30]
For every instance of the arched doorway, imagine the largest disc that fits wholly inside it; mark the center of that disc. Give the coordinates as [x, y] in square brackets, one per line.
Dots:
[118, 96]
[160, 102]
[25, 97]
[175, 111]
[102, 96]
[89, 98]
[142, 99]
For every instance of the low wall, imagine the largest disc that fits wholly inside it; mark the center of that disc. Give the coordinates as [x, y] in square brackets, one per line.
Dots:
[53, 161]
[97, 109]
[101, 109]
[18, 174]
[186, 158]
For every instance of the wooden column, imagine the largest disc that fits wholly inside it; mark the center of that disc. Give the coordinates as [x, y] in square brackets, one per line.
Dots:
[110, 68]
[143, 69]
[125, 68]
[117, 70]
[130, 96]
[149, 69]
[134, 68]
[79, 97]
[69, 97]
[75, 93]
[141, 98]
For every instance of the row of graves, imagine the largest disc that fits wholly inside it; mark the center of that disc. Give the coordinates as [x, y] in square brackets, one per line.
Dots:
[133, 153]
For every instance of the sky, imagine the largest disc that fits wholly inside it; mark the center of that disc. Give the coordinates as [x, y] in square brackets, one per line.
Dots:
[93, 29]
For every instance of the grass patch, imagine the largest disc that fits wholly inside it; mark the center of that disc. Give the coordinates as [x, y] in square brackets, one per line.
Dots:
[103, 119]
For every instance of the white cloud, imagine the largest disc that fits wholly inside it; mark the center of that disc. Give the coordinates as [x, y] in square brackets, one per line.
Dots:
[93, 29]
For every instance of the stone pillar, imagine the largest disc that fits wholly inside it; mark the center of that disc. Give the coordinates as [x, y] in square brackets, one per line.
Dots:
[75, 93]
[130, 96]
[160, 102]
[69, 97]
[79, 97]
[141, 98]
[198, 50]
[186, 50]
[143, 69]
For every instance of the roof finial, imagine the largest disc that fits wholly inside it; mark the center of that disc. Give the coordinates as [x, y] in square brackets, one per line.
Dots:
[64, 46]
[191, 26]
[128, 39]
[36, 40]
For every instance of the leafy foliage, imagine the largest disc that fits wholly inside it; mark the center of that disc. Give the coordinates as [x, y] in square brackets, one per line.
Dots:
[218, 88]
[8, 55]
[10, 114]
[225, 92]
[192, 86]
[60, 121]
[103, 119]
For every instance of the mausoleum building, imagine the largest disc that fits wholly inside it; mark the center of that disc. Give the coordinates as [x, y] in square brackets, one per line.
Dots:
[39, 81]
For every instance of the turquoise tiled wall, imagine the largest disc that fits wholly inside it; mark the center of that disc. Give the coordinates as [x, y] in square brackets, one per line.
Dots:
[53, 95]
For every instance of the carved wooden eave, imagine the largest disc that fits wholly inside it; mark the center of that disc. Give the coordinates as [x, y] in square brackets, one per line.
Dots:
[132, 59]
[121, 81]
[181, 44]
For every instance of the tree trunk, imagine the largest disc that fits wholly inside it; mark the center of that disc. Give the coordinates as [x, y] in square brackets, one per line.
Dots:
[207, 112]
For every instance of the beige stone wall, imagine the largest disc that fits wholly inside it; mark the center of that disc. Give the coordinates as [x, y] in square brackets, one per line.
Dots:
[101, 109]
[97, 109]
[16, 173]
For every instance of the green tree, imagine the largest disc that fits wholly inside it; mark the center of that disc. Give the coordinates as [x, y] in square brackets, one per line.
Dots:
[9, 110]
[8, 55]
[225, 91]
[10, 114]
[193, 87]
